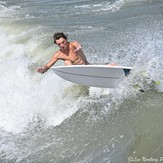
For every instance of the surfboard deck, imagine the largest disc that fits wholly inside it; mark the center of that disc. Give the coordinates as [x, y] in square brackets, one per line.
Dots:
[93, 75]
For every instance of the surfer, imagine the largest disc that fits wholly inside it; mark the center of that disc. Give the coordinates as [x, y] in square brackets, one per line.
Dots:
[70, 52]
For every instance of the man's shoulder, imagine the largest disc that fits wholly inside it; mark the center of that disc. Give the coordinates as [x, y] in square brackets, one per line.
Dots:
[75, 43]
[58, 53]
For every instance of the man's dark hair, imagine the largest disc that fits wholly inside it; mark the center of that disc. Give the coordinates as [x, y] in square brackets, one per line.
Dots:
[58, 35]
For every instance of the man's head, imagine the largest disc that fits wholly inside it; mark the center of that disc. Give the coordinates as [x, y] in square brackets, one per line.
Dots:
[58, 35]
[61, 40]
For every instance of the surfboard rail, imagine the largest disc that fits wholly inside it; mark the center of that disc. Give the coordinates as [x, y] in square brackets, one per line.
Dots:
[93, 75]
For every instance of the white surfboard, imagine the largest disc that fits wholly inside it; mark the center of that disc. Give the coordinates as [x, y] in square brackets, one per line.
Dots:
[93, 75]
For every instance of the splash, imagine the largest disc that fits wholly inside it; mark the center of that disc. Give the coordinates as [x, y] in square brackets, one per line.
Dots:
[25, 94]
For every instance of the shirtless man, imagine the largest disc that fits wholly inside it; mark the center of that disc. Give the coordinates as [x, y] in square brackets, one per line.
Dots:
[70, 52]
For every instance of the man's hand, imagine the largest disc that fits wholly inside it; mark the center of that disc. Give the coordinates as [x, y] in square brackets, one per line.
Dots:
[42, 70]
[79, 47]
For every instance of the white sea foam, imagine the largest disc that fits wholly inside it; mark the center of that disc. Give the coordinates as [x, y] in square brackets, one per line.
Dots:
[6, 11]
[106, 122]
[25, 94]
[104, 6]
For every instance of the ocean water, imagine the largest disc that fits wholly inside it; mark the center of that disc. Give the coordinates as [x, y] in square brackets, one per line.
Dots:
[45, 119]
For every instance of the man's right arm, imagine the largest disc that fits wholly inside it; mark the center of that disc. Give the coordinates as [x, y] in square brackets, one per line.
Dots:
[49, 64]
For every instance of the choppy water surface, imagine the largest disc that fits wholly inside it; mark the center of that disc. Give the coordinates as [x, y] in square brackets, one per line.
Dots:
[44, 118]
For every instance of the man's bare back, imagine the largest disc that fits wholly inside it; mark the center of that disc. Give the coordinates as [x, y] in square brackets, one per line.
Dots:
[70, 52]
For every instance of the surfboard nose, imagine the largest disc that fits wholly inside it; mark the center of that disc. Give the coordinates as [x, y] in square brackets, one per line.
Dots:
[126, 71]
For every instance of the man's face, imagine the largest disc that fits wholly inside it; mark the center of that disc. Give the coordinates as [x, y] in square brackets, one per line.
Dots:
[62, 43]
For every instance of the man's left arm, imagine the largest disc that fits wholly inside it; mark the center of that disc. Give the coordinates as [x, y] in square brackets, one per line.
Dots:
[77, 46]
